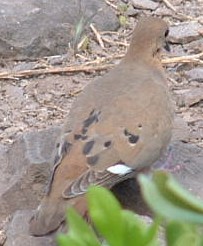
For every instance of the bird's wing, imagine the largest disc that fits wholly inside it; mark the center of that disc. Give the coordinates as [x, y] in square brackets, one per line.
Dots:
[108, 143]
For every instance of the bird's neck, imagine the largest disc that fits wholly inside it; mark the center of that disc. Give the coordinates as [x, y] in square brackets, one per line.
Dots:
[143, 57]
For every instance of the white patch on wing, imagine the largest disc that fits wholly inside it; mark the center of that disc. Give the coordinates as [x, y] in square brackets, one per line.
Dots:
[119, 169]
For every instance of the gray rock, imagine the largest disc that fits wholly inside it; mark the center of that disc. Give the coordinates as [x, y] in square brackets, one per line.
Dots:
[25, 171]
[45, 27]
[195, 74]
[188, 158]
[193, 96]
[15, 95]
[185, 32]
[145, 4]
[195, 46]
[163, 11]
[18, 235]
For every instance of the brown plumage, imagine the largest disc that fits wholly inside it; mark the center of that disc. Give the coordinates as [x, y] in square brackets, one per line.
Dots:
[119, 125]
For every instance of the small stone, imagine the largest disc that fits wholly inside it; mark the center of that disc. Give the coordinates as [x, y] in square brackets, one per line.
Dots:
[185, 32]
[195, 74]
[18, 234]
[193, 96]
[132, 11]
[145, 4]
[163, 11]
[195, 46]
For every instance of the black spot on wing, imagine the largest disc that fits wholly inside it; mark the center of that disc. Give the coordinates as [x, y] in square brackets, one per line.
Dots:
[89, 121]
[107, 144]
[92, 160]
[84, 137]
[77, 136]
[84, 130]
[140, 126]
[65, 147]
[92, 112]
[133, 139]
[64, 150]
[87, 147]
[93, 118]
[126, 132]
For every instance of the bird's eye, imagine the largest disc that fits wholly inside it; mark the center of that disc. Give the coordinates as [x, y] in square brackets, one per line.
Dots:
[166, 33]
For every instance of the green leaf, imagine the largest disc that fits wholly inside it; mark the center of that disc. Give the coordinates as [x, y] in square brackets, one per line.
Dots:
[137, 232]
[152, 232]
[123, 8]
[185, 197]
[182, 234]
[62, 240]
[170, 188]
[79, 231]
[65, 240]
[106, 214]
[123, 20]
[134, 229]
[162, 202]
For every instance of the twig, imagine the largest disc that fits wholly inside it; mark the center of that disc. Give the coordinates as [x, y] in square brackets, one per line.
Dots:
[81, 56]
[114, 42]
[109, 32]
[169, 5]
[74, 93]
[173, 81]
[81, 43]
[57, 108]
[111, 4]
[184, 59]
[44, 109]
[93, 66]
[98, 36]
[57, 70]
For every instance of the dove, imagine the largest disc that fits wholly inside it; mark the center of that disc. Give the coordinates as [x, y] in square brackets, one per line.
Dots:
[118, 126]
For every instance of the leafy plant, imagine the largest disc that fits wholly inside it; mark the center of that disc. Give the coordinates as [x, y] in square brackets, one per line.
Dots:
[79, 38]
[123, 19]
[168, 199]
[114, 225]
[180, 213]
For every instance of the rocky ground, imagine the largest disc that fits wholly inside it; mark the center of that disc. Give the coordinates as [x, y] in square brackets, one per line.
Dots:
[40, 77]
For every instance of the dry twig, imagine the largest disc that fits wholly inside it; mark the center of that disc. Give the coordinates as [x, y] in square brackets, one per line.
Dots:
[98, 36]
[184, 59]
[93, 66]
[169, 5]
[115, 42]
[55, 70]
[111, 4]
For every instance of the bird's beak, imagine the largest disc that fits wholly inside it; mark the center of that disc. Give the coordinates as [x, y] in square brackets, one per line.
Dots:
[167, 47]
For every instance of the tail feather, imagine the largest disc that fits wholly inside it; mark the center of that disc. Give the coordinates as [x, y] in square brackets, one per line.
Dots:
[49, 215]
[47, 218]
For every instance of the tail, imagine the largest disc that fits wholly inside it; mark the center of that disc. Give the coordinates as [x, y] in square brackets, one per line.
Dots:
[51, 212]
[48, 217]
